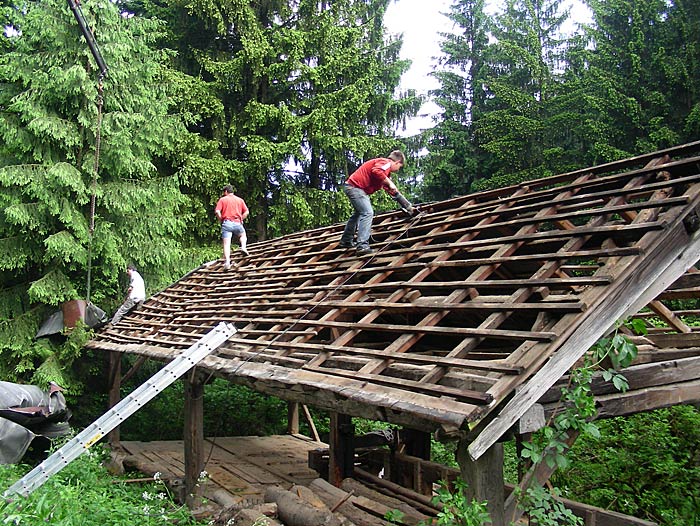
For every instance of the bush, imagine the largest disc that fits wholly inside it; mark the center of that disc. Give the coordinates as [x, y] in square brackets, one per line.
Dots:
[646, 465]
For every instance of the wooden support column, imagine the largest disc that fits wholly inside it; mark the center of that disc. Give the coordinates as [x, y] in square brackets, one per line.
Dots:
[484, 478]
[193, 437]
[341, 450]
[293, 418]
[114, 396]
[416, 444]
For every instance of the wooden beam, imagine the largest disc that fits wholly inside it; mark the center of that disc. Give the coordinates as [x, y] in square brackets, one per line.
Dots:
[194, 438]
[293, 418]
[484, 478]
[623, 404]
[114, 374]
[474, 397]
[341, 451]
[640, 376]
[680, 341]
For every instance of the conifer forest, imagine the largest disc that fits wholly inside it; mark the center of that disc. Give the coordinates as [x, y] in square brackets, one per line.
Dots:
[284, 99]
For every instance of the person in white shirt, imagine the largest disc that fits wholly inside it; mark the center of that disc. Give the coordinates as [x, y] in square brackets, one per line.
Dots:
[135, 295]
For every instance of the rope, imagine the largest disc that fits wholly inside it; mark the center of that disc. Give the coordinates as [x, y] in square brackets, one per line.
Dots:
[414, 220]
[93, 196]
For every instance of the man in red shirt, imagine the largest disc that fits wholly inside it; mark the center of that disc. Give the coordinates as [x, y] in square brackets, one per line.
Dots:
[368, 178]
[231, 210]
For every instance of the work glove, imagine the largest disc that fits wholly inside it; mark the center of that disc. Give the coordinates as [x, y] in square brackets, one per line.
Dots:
[407, 207]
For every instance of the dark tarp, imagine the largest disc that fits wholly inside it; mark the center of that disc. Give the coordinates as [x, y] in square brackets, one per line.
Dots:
[93, 317]
[27, 411]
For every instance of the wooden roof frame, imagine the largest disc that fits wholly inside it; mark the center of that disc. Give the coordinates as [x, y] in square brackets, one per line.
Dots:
[464, 317]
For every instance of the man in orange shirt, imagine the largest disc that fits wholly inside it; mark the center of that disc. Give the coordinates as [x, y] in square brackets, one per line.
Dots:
[231, 210]
[368, 178]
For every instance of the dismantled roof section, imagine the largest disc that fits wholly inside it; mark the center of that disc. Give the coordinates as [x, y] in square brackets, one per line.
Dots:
[476, 297]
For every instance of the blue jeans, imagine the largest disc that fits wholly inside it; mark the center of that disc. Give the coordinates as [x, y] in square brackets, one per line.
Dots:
[231, 229]
[361, 220]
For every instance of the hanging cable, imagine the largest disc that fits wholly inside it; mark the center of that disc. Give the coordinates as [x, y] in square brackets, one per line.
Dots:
[74, 6]
[93, 189]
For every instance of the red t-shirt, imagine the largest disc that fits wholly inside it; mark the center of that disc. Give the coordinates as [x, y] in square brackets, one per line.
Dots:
[372, 176]
[231, 208]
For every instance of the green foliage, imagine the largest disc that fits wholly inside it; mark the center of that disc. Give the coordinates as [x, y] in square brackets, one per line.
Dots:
[443, 453]
[230, 410]
[307, 92]
[544, 510]
[644, 465]
[456, 509]
[576, 412]
[523, 82]
[520, 99]
[455, 159]
[49, 127]
[620, 351]
[84, 494]
[394, 516]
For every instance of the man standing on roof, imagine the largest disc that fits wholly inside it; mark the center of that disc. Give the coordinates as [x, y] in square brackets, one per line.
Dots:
[135, 294]
[231, 210]
[368, 178]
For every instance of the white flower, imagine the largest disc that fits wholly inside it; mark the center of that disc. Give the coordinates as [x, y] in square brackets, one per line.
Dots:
[156, 476]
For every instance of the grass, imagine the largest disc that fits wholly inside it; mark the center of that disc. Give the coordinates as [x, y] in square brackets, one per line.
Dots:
[84, 493]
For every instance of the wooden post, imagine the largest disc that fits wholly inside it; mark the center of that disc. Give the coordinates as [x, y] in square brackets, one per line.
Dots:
[115, 381]
[193, 437]
[416, 444]
[484, 478]
[341, 451]
[293, 418]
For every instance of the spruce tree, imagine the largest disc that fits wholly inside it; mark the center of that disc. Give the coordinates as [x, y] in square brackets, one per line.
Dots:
[525, 64]
[636, 76]
[48, 125]
[455, 159]
[308, 91]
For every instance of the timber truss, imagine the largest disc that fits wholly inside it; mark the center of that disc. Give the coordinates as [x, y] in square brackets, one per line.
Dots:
[465, 316]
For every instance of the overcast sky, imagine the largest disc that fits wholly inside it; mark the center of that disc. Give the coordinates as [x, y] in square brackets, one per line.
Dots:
[421, 21]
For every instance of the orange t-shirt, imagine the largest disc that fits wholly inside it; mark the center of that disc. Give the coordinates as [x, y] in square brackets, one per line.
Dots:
[231, 208]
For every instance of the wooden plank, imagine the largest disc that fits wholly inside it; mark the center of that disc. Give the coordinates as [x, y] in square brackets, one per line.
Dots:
[252, 311]
[545, 258]
[642, 376]
[466, 395]
[271, 460]
[423, 329]
[680, 341]
[410, 358]
[193, 437]
[641, 400]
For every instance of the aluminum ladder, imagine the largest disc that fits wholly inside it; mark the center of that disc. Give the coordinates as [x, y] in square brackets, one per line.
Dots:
[123, 410]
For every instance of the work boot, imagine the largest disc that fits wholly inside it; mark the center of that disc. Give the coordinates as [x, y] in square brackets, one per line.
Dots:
[245, 251]
[364, 250]
[344, 244]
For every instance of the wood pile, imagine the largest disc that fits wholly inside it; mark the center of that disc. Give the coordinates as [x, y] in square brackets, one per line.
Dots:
[321, 504]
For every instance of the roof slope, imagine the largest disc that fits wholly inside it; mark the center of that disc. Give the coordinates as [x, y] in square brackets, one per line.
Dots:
[478, 296]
